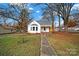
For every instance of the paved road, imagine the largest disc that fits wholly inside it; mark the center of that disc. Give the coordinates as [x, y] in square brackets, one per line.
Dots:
[46, 49]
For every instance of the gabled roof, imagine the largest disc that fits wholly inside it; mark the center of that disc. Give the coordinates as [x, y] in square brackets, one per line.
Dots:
[44, 22]
[30, 21]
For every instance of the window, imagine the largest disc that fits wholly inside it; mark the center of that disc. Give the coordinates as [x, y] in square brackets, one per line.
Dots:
[44, 28]
[33, 28]
[36, 28]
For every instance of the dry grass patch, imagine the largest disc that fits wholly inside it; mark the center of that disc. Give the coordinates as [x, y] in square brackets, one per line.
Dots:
[65, 43]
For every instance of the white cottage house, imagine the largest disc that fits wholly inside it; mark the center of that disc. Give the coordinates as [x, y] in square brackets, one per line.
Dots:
[38, 26]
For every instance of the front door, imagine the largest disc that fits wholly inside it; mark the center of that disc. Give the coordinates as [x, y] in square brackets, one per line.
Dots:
[45, 29]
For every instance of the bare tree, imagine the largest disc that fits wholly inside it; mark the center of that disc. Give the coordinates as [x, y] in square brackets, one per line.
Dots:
[17, 12]
[62, 9]
[49, 11]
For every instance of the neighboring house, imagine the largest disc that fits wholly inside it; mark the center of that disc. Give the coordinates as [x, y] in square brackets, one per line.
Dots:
[76, 18]
[2, 30]
[74, 29]
[39, 26]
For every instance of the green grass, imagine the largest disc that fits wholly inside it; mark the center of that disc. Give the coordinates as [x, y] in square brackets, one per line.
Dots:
[19, 44]
[65, 44]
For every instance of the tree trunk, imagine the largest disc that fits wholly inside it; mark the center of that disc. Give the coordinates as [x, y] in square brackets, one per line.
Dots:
[65, 25]
[53, 28]
[53, 24]
[59, 24]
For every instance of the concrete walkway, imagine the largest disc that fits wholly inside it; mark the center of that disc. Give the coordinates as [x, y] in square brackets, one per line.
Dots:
[46, 49]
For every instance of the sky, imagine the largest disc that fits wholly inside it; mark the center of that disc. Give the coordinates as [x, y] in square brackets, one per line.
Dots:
[40, 1]
[37, 11]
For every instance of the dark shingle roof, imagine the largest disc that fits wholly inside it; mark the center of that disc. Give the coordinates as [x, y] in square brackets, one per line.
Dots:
[44, 22]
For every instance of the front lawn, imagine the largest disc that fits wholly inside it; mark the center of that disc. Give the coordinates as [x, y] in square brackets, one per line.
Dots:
[20, 44]
[65, 44]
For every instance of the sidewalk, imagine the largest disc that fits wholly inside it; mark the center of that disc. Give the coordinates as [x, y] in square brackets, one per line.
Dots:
[46, 49]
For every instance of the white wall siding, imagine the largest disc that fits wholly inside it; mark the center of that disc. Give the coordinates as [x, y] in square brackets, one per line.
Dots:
[34, 24]
[46, 29]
